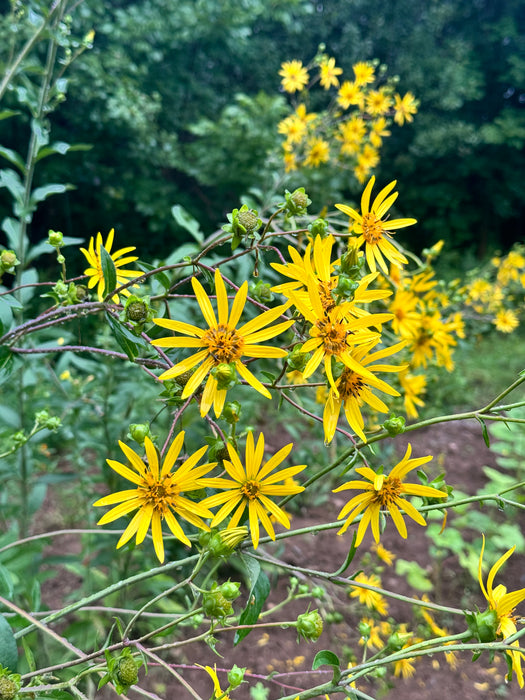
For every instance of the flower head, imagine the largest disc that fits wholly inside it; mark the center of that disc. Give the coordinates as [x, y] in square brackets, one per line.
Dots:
[373, 230]
[221, 346]
[364, 73]
[294, 76]
[329, 73]
[252, 485]
[367, 595]
[381, 492]
[503, 604]
[404, 108]
[158, 493]
[94, 271]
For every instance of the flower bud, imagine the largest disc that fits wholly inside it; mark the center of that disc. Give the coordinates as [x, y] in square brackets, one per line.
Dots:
[261, 291]
[79, 293]
[248, 220]
[398, 640]
[394, 425]
[215, 604]
[345, 287]
[231, 413]
[138, 431]
[236, 676]
[318, 592]
[319, 227]
[483, 625]
[8, 260]
[296, 202]
[126, 672]
[225, 375]
[297, 360]
[364, 630]
[55, 238]
[8, 688]
[309, 626]
[230, 589]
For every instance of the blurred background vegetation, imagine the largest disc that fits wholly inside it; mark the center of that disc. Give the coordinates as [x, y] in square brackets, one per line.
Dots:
[180, 103]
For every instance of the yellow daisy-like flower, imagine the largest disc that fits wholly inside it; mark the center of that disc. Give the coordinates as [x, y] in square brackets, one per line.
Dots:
[317, 152]
[217, 691]
[221, 345]
[329, 73]
[350, 94]
[355, 390]
[373, 640]
[404, 108]
[372, 599]
[378, 130]
[364, 73]
[506, 321]
[373, 230]
[503, 604]
[413, 387]
[381, 492]
[333, 334]
[294, 76]
[158, 494]
[253, 486]
[383, 553]
[94, 271]
[378, 102]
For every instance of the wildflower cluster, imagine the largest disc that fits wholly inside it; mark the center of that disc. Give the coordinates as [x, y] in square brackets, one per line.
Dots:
[350, 131]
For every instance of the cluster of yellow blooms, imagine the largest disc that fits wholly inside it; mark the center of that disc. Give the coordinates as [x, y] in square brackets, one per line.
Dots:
[350, 131]
[499, 294]
[337, 334]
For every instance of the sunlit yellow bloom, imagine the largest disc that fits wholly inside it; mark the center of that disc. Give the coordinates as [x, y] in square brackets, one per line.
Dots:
[406, 317]
[383, 553]
[374, 640]
[404, 667]
[294, 76]
[350, 94]
[295, 377]
[373, 230]
[329, 73]
[293, 129]
[503, 603]
[221, 344]
[372, 599]
[432, 336]
[404, 108]
[317, 152]
[368, 158]
[378, 130]
[378, 102]
[364, 73]
[506, 321]
[158, 493]
[253, 486]
[385, 492]
[290, 161]
[217, 691]
[354, 390]
[333, 334]
[413, 386]
[94, 271]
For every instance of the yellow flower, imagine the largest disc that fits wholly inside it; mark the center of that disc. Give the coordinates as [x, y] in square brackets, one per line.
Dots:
[412, 385]
[378, 102]
[217, 691]
[404, 667]
[503, 604]
[292, 128]
[157, 494]
[372, 599]
[329, 73]
[506, 321]
[406, 317]
[350, 94]
[364, 73]
[368, 158]
[317, 152]
[333, 334]
[294, 76]
[383, 553]
[381, 492]
[253, 485]
[354, 390]
[378, 129]
[404, 108]
[373, 640]
[94, 271]
[373, 230]
[221, 344]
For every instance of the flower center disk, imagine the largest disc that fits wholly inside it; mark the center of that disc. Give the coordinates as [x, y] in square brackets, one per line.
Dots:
[372, 228]
[224, 343]
[250, 489]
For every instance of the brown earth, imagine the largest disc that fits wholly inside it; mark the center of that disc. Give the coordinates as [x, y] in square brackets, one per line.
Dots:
[458, 448]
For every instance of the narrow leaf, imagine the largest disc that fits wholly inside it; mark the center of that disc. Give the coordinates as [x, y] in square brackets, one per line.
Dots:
[260, 590]
[108, 270]
[123, 337]
[13, 158]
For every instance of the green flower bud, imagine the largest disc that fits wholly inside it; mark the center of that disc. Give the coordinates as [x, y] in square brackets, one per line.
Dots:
[61, 289]
[261, 291]
[345, 288]
[8, 260]
[483, 625]
[225, 374]
[42, 417]
[364, 630]
[296, 202]
[231, 413]
[309, 626]
[126, 673]
[296, 359]
[81, 293]
[236, 676]
[8, 688]
[318, 592]
[215, 604]
[55, 238]
[319, 227]
[138, 431]
[303, 588]
[230, 589]
[398, 640]
[394, 425]
[248, 219]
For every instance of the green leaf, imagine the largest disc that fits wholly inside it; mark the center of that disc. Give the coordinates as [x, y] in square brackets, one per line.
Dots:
[187, 222]
[7, 587]
[29, 655]
[124, 338]
[259, 591]
[11, 179]
[108, 270]
[328, 658]
[39, 194]
[6, 363]
[8, 649]
[61, 148]
[13, 158]
[6, 113]
[484, 431]
[13, 228]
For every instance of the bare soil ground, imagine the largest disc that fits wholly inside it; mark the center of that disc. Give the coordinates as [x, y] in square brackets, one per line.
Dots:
[460, 449]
